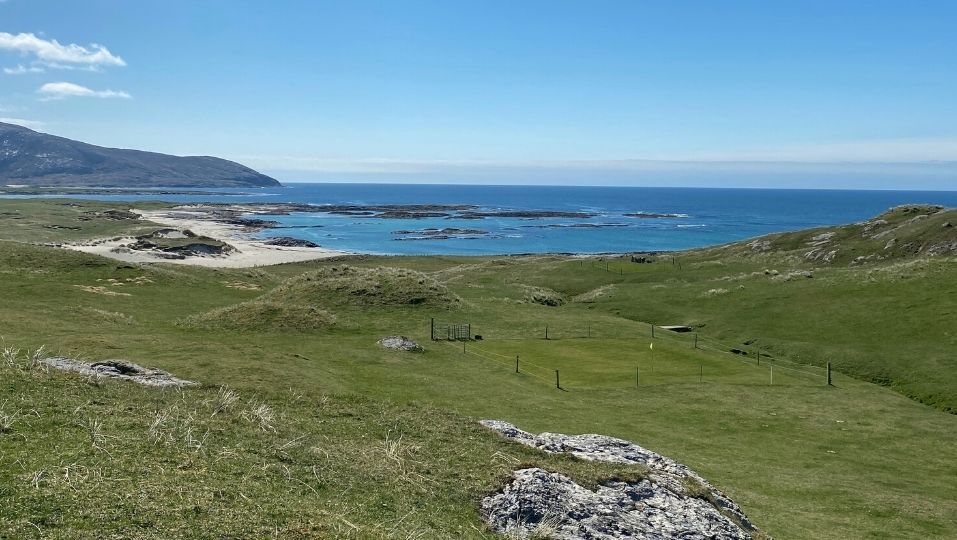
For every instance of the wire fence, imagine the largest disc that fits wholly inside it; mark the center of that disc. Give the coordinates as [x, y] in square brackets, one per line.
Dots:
[524, 354]
[631, 265]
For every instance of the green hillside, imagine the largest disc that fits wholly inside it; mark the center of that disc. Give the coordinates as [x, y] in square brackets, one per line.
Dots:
[302, 426]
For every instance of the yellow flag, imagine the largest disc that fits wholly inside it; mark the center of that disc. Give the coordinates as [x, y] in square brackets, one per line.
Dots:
[651, 346]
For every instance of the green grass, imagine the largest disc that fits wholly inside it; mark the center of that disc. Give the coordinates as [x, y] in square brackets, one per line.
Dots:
[593, 364]
[364, 442]
[61, 220]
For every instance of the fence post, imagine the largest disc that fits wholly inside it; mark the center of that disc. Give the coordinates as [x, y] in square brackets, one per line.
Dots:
[772, 372]
[700, 373]
[546, 331]
[829, 374]
[589, 330]
[463, 346]
[652, 330]
[757, 353]
[432, 332]
[637, 376]
[696, 340]
[516, 363]
[558, 382]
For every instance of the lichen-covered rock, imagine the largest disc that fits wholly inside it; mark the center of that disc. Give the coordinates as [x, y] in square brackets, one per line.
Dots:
[117, 369]
[400, 343]
[671, 502]
[543, 504]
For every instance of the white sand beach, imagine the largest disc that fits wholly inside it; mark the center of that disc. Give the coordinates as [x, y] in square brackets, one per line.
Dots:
[249, 252]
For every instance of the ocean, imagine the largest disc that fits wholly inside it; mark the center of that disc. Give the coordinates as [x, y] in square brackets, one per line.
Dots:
[693, 217]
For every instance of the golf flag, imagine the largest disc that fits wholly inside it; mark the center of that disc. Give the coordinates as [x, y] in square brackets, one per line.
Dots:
[651, 346]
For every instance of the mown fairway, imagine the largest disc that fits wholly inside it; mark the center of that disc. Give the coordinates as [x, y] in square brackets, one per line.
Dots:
[363, 442]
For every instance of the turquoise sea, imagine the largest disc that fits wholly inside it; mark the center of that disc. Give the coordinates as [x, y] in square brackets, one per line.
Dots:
[696, 217]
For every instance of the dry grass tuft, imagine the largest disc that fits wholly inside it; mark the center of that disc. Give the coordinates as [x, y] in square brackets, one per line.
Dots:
[110, 317]
[224, 401]
[261, 415]
[7, 419]
[10, 357]
[543, 296]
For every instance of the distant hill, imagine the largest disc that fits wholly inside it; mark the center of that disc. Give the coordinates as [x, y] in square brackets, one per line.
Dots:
[37, 159]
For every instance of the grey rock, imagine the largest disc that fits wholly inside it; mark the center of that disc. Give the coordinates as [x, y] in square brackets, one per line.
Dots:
[117, 369]
[400, 343]
[760, 245]
[660, 506]
[288, 241]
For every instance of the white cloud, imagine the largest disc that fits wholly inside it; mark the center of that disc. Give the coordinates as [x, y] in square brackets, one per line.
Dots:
[52, 53]
[21, 69]
[62, 90]
[32, 124]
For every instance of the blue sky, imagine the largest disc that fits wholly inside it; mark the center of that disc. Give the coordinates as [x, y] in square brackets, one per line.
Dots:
[787, 94]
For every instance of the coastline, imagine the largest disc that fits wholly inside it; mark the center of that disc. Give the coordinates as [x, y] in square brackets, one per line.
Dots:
[249, 252]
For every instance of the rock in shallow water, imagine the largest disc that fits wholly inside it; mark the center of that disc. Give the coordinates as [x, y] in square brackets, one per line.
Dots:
[288, 241]
[672, 502]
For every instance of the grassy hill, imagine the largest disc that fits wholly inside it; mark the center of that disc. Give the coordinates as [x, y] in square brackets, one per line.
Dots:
[299, 431]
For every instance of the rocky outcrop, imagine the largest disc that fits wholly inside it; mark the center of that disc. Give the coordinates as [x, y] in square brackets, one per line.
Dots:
[288, 241]
[400, 343]
[670, 502]
[440, 234]
[117, 369]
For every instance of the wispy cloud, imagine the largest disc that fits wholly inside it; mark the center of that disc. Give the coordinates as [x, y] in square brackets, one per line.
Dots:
[889, 174]
[22, 70]
[63, 90]
[878, 150]
[55, 55]
[32, 124]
